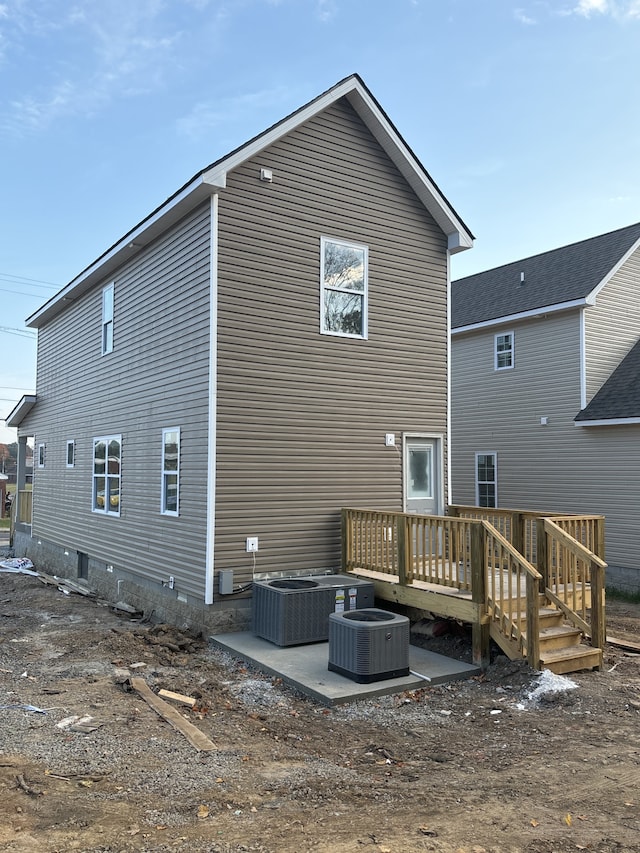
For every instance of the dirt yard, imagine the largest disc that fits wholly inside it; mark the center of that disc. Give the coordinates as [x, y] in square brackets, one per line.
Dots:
[503, 762]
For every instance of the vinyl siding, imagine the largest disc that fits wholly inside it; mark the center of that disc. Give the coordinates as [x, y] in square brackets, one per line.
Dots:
[156, 376]
[558, 467]
[612, 326]
[500, 411]
[301, 415]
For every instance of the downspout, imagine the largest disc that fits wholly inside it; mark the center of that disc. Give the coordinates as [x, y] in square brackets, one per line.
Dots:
[213, 397]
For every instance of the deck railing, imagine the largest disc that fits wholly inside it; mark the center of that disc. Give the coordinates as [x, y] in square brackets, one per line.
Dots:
[573, 575]
[488, 553]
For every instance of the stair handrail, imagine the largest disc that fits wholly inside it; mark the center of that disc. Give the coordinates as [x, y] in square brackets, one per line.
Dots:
[504, 615]
[596, 567]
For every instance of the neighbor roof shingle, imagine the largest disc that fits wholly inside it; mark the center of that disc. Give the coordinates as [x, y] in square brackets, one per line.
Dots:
[551, 278]
[619, 397]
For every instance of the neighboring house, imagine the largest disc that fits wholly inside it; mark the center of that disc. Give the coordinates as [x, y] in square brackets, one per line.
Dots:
[546, 388]
[266, 347]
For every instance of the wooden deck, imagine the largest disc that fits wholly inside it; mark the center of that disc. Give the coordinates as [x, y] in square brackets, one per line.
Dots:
[463, 567]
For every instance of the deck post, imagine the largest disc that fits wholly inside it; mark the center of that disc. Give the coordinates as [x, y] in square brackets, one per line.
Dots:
[402, 533]
[344, 535]
[542, 555]
[598, 619]
[517, 531]
[480, 637]
[533, 623]
[599, 543]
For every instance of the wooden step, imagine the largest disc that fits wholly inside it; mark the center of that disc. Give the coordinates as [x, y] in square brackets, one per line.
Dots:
[571, 659]
[559, 637]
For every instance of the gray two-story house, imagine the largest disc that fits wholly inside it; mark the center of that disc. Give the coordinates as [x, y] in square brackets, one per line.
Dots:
[269, 345]
[546, 388]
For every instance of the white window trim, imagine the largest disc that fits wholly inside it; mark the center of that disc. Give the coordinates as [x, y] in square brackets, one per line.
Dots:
[107, 319]
[71, 444]
[42, 454]
[495, 350]
[495, 475]
[364, 293]
[106, 510]
[164, 472]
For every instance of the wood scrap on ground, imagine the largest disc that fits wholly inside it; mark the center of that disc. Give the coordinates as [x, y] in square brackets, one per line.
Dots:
[195, 737]
[177, 697]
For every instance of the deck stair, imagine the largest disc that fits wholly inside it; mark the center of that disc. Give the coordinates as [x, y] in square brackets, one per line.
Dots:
[560, 643]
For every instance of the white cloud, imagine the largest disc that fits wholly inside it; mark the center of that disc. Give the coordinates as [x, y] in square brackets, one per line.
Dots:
[589, 7]
[521, 16]
[207, 116]
[88, 54]
[619, 9]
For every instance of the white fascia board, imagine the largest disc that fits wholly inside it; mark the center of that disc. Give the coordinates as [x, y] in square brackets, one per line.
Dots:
[596, 290]
[607, 422]
[20, 411]
[522, 315]
[458, 236]
[168, 213]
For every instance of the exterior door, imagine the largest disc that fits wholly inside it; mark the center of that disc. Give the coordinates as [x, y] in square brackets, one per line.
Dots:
[422, 478]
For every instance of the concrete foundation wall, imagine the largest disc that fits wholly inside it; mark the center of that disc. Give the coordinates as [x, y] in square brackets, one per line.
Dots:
[157, 602]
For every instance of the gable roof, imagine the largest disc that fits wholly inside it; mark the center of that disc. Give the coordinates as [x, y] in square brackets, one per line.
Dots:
[561, 278]
[213, 178]
[619, 397]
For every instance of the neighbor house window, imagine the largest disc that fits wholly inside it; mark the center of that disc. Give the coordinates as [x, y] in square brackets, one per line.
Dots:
[504, 351]
[343, 277]
[486, 479]
[170, 470]
[71, 454]
[106, 474]
[107, 319]
[42, 455]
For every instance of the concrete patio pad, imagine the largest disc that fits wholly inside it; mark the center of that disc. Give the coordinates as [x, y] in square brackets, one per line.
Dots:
[306, 668]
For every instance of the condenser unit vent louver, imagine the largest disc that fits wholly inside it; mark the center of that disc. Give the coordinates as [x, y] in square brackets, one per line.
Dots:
[369, 645]
[292, 611]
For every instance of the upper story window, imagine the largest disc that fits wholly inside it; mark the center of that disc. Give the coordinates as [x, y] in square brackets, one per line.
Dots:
[42, 455]
[504, 351]
[343, 286]
[170, 470]
[71, 453]
[107, 319]
[486, 479]
[106, 474]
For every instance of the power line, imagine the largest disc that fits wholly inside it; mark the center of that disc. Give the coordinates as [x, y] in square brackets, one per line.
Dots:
[35, 281]
[23, 332]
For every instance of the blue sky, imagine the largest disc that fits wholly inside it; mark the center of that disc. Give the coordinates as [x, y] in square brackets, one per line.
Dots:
[525, 114]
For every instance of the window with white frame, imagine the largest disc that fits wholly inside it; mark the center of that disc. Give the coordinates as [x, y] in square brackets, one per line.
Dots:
[486, 479]
[504, 351]
[170, 471]
[71, 453]
[107, 319]
[343, 288]
[42, 455]
[107, 451]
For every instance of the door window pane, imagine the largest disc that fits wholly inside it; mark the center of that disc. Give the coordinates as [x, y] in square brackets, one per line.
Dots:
[420, 473]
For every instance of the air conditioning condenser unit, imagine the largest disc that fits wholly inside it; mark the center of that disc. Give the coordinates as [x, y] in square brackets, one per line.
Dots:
[293, 611]
[369, 645]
